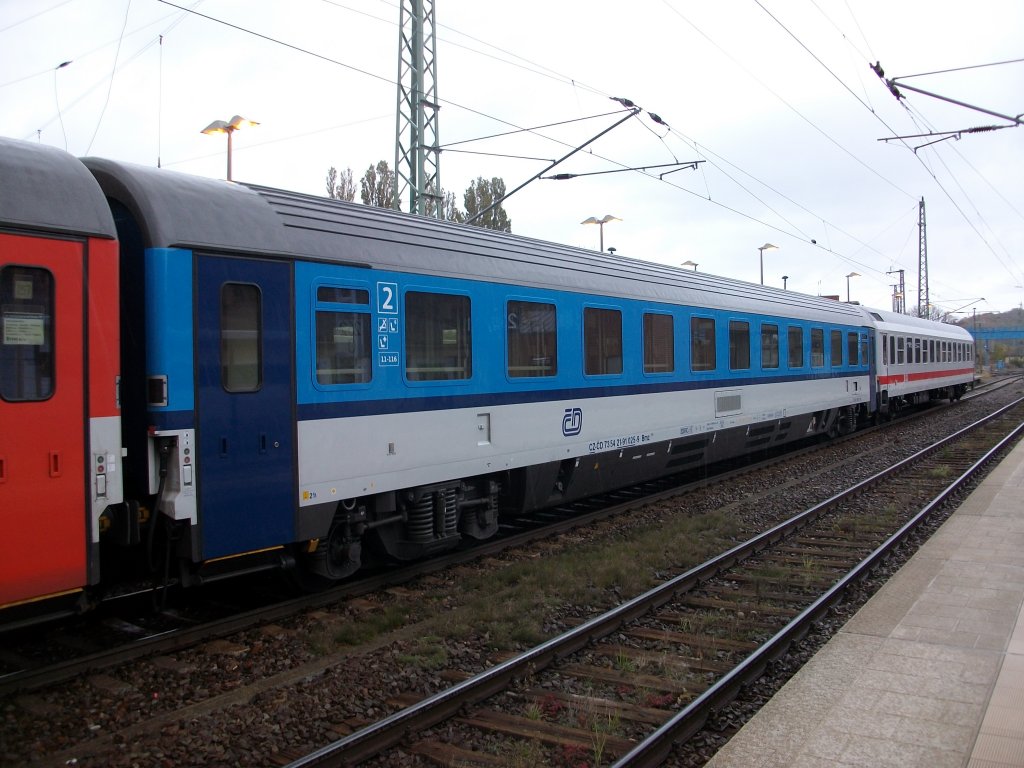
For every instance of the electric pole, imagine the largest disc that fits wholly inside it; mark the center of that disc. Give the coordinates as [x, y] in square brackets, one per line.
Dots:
[923, 304]
[899, 302]
[417, 156]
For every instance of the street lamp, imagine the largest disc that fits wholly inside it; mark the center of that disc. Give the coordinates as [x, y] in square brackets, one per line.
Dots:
[784, 279]
[219, 126]
[689, 263]
[760, 253]
[601, 222]
[852, 274]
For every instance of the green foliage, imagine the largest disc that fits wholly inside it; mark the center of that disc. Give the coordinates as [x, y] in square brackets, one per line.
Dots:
[481, 194]
[377, 187]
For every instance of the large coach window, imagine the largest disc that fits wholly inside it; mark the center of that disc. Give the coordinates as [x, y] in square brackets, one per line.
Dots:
[438, 346]
[796, 346]
[817, 347]
[241, 356]
[26, 333]
[532, 339]
[769, 346]
[899, 350]
[851, 348]
[836, 348]
[343, 340]
[702, 344]
[602, 341]
[659, 344]
[739, 345]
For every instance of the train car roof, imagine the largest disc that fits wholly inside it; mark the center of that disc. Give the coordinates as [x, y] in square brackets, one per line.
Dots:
[46, 189]
[178, 210]
[894, 322]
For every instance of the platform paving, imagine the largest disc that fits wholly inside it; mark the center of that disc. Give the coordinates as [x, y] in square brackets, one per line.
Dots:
[930, 672]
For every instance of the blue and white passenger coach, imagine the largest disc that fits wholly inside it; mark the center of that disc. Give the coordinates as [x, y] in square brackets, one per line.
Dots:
[319, 376]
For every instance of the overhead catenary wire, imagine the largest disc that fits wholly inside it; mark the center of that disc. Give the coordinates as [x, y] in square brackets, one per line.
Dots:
[792, 228]
[798, 235]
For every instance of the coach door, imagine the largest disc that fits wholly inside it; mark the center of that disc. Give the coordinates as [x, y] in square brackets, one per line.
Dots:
[42, 418]
[245, 404]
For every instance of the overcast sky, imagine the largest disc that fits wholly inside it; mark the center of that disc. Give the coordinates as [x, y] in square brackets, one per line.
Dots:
[775, 96]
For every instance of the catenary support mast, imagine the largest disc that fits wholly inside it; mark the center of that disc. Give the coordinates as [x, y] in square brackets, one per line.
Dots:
[923, 303]
[417, 157]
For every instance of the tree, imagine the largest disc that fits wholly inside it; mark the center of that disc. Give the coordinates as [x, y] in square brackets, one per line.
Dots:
[479, 196]
[450, 208]
[377, 187]
[340, 186]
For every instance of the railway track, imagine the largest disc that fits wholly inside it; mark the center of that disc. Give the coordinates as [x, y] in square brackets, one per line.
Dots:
[625, 687]
[31, 659]
[204, 652]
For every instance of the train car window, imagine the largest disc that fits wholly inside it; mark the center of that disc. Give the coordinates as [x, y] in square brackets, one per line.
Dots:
[343, 347]
[917, 350]
[659, 343]
[796, 347]
[438, 343]
[817, 347]
[333, 294]
[892, 350]
[931, 347]
[835, 350]
[241, 347]
[769, 345]
[739, 345]
[26, 334]
[900, 341]
[532, 334]
[885, 349]
[602, 341]
[703, 356]
[863, 349]
[851, 349]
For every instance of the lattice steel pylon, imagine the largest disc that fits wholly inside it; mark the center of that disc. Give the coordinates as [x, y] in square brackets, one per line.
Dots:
[417, 156]
[923, 303]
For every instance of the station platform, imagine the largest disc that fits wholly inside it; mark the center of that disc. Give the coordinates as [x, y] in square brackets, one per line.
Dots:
[930, 672]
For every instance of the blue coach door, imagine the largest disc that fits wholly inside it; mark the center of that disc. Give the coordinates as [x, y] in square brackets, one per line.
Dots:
[245, 403]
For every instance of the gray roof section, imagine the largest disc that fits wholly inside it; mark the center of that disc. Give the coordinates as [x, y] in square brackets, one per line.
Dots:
[42, 188]
[177, 210]
[894, 322]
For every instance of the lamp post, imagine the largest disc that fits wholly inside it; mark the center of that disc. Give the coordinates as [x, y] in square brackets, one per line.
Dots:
[852, 274]
[689, 263]
[601, 222]
[219, 126]
[785, 278]
[760, 253]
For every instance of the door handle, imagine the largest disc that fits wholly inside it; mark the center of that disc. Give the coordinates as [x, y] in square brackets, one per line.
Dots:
[55, 468]
[3, 469]
[223, 446]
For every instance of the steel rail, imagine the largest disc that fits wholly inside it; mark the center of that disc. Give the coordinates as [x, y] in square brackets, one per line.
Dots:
[386, 733]
[656, 747]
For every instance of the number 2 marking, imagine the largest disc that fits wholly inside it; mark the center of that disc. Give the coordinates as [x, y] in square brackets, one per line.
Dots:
[386, 295]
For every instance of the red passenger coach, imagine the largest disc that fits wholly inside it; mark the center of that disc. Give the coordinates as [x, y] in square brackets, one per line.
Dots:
[60, 442]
